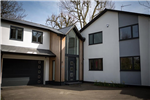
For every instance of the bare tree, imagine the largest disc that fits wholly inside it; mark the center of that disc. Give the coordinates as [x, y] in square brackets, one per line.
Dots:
[60, 21]
[145, 3]
[12, 9]
[85, 10]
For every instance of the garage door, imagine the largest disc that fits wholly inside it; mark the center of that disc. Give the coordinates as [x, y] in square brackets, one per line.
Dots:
[22, 72]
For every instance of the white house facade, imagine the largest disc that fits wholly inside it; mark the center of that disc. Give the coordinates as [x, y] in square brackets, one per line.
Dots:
[116, 48]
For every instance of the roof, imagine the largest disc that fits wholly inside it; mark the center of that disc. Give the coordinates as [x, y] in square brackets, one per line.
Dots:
[26, 51]
[104, 11]
[66, 30]
[27, 23]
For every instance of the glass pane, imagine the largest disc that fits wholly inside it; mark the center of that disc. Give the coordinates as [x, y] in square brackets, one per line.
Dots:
[34, 36]
[100, 64]
[77, 68]
[71, 42]
[13, 33]
[126, 63]
[40, 37]
[20, 33]
[98, 38]
[53, 70]
[66, 68]
[91, 39]
[125, 33]
[135, 31]
[136, 63]
[91, 64]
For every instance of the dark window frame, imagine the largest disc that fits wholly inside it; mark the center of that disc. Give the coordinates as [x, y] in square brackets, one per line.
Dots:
[32, 37]
[132, 63]
[53, 75]
[96, 69]
[17, 34]
[101, 32]
[131, 32]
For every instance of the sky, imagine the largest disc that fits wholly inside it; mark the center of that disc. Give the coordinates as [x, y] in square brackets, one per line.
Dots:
[38, 11]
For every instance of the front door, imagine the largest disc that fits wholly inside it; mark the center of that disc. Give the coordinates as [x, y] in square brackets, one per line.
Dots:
[71, 68]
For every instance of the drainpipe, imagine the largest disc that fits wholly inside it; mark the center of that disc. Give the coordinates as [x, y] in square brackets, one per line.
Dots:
[60, 56]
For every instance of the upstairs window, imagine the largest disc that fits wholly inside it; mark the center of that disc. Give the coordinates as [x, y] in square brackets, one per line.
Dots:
[129, 32]
[37, 37]
[130, 63]
[95, 38]
[16, 33]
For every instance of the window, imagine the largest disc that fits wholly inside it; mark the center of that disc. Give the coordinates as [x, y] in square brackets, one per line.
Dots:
[53, 64]
[16, 33]
[96, 64]
[129, 32]
[95, 38]
[37, 37]
[130, 63]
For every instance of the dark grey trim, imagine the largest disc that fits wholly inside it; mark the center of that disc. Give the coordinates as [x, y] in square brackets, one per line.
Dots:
[17, 34]
[100, 32]
[32, 37]
[104, 11]
[131, 32]
[96, 69]
[132, 63]
[71, 55]
[52, 70]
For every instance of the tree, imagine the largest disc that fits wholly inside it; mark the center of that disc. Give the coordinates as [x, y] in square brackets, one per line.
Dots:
[82, 11]
[60, 21]
[12, 9]
[145, 4]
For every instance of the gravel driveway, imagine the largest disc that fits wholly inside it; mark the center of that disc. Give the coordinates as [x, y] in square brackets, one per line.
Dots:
[85, 91]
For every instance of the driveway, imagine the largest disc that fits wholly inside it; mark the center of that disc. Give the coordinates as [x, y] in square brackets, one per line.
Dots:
[85, 91]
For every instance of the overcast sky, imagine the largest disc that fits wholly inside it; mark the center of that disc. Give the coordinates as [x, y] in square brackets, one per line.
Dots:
[38, 11]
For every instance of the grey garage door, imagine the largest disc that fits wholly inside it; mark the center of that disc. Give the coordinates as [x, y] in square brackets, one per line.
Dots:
[22, 72]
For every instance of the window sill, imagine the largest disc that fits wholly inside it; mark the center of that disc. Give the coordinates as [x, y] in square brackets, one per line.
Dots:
[130, 70]
[95, 70]
[16, 39]
[37, 42]
[96, 43]
[128, 39]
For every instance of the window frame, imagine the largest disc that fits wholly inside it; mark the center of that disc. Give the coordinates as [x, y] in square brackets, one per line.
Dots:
[15, 33]
[132, 63]
[96, 69]
[131, 26]
[101, 32]
[32, 37]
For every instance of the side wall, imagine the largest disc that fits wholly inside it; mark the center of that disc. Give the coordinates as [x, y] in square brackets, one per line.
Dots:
[108, 50]
[144, 40]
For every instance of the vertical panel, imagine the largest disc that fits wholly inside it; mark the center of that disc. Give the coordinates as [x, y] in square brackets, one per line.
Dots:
[63, 60]
[81, 60]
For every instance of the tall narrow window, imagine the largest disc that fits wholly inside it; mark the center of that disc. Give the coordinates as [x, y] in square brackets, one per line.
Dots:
[16, 33]
[37, 37]
[53, 65]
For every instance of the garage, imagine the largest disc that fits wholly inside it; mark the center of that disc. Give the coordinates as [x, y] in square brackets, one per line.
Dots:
[22, 72]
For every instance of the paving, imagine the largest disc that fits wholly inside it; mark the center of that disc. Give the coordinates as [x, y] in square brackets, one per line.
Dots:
[85, 91]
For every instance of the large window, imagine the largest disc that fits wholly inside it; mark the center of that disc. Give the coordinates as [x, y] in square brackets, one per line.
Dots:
[95, 38]
[16, 33]
[96, 64]
[130, 63]
[129, 32]
[37, 37]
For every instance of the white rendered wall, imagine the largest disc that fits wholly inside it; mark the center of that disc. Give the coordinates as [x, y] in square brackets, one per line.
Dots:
[45, 59]
[108, 50]
[144, 40]
[27, 37]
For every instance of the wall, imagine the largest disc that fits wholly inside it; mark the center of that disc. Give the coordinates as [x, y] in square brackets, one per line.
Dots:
[144, 40]
[55, 48]
[108, 50]
[27, 37]
[129, 48]
[63, 60]
[46, 62]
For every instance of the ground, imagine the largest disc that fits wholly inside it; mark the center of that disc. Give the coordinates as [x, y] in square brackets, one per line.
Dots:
[85, 91]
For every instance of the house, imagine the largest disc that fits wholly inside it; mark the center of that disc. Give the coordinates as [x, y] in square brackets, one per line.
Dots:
[36, 54]
[117, 48]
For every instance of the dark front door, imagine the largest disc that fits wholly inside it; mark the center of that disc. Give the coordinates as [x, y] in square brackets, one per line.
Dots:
[71, 68]
[22, 72]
